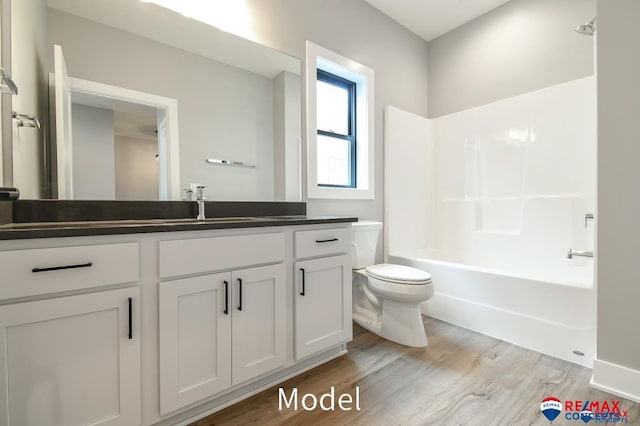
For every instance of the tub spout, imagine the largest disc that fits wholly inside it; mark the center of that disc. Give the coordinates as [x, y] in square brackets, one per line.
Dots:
[572, 253]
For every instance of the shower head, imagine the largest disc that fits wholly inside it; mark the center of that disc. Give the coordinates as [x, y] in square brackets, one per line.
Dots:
[588, 29]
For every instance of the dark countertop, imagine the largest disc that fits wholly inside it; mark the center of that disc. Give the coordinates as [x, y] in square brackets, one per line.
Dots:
[31, 230]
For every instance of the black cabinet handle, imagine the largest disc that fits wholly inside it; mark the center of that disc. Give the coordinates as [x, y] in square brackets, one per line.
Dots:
[130, 319]
[303, 283]
[60, 268]
[226, 298]
[239, 294]
[330, 240]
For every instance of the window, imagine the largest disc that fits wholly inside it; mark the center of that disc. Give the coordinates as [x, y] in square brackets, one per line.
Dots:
[336, 120]
[340, 111]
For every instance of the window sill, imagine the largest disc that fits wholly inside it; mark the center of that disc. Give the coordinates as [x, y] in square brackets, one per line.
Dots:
[340, 193]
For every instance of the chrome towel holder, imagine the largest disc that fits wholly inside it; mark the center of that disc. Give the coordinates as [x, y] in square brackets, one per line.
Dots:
[25, 120]
[217, 162]
[8, 85]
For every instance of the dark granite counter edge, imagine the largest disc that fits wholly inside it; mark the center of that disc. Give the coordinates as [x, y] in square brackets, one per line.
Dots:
[33, 233]
[30, 211]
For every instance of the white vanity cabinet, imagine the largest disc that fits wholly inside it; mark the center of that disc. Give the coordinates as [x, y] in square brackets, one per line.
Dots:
[71, 360]
[219, 330]
[322, 290]
[159, 328]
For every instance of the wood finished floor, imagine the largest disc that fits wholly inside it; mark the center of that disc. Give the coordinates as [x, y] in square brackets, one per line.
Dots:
[461, 378]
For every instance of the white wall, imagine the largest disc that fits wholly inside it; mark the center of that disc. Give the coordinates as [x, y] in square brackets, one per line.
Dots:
[617, 367]
[136, 168]
[522, 46]
[223, 112]
[93, 153]
[30, 62]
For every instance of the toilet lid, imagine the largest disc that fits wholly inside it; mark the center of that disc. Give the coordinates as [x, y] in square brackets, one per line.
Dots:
[399, 274]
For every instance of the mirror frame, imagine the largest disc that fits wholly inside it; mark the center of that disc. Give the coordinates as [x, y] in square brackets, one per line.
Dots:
[6, 122]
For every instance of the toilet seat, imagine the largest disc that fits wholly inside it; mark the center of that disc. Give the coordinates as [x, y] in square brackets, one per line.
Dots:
[399, 274]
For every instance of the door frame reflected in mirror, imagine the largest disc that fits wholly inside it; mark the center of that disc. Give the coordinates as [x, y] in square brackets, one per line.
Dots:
[168, 152]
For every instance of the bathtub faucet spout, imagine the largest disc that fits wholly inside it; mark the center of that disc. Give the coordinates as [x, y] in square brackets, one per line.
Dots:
[572, 253]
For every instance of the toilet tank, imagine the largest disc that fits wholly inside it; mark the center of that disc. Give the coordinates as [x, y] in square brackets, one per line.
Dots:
[364, 239]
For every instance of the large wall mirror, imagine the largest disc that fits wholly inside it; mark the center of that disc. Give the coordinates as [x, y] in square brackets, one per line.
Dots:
[136, 102]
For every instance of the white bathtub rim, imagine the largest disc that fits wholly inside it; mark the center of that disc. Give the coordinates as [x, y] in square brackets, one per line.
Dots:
[421, 258]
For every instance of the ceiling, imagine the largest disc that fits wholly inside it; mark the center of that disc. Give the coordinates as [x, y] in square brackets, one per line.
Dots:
[432, 18]
[135, 127]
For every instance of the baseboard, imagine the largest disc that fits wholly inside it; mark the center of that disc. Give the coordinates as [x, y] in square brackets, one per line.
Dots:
[616, 379]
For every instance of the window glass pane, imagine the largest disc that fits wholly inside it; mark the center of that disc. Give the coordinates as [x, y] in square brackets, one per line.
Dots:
[333, 108]
[333, 161]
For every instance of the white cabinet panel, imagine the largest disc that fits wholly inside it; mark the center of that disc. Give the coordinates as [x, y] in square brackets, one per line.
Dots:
[259, 321]
[322, 242]
[322, 304]
[71, 360]
[200, 255]
[42, 271]
[195, 339]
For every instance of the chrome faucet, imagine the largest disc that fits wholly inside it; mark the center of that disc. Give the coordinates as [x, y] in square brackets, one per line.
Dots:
[572, 253]
[200, 201]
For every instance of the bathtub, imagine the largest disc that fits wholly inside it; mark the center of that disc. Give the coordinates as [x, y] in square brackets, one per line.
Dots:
[552, 312]
[499, 194]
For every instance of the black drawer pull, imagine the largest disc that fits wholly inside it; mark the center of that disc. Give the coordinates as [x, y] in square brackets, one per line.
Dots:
[330, 240]
[302, 293]
[239, 294]
[130, 319]
[226, 297]
[60, 268]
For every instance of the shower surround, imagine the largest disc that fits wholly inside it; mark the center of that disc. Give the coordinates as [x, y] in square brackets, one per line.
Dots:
[498, 195]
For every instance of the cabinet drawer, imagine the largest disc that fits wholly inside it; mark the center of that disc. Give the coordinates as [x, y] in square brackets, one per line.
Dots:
[194, 256]
[40, 271]
[320, 242]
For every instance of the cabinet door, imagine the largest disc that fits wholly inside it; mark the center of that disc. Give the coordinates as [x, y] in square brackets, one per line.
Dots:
[71, 361]
[195, 339]
[322, 304]
[259, 321]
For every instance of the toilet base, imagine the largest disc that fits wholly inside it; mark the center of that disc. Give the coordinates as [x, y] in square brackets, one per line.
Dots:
[400, 323]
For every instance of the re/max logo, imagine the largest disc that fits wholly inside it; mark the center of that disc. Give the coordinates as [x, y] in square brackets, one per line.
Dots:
[595, 406]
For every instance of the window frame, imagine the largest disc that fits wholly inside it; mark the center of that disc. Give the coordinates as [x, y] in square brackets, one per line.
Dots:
[318, 57]
[350, 136]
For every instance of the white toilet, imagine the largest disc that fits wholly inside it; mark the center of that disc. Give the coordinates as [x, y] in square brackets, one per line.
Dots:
[386, 297]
